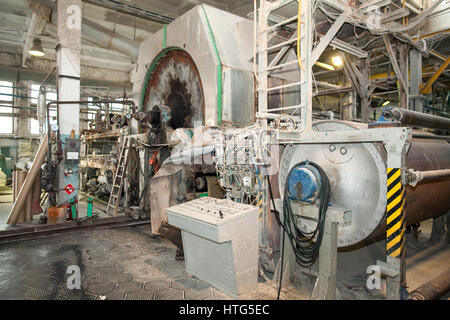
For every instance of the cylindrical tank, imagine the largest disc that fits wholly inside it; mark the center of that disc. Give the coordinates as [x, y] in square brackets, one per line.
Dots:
[357, 174]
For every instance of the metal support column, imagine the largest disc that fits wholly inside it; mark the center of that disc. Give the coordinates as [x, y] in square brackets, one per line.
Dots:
[325, 287]
[364, 67]
[395, 232]
[415, 62]
[403, 64]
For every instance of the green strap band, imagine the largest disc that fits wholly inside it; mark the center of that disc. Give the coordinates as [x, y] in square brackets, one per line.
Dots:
[164, 36]
[219, 70]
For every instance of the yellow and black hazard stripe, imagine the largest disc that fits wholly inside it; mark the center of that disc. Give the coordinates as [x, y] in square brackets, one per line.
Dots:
[260, 198]
[395, 221]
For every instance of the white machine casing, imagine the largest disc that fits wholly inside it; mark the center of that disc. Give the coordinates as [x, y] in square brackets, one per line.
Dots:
[223, 251]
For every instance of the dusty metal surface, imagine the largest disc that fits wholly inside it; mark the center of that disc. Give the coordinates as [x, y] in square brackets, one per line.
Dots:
[175, 82]
[213, 47]
[358, 181]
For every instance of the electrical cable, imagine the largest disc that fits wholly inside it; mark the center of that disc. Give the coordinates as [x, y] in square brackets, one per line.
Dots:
[305, 255]
[277, 217]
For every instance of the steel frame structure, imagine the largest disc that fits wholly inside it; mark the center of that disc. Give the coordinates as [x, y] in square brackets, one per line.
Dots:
[395, 140]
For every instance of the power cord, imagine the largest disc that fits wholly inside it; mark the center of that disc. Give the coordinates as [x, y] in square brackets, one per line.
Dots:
[305, 255]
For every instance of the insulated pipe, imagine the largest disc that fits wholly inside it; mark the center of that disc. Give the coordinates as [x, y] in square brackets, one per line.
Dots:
[434, 289]
[414, 118]
[25, 190]
[91, 30]
[327, 85]
[28, 216]
[36, 197]
[14, 184]
[21, 176]
[110, 40]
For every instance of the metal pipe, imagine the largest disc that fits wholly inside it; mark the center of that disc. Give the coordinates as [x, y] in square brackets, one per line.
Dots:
[414, 177]
[435, 174]
[274, 116]
[46, 78]
[414, 118]
[434, 289]
[14, 184]
[28, 216]
[110, 40]
[21, 176]
[429, 136]
[124, 102]
[91, 30]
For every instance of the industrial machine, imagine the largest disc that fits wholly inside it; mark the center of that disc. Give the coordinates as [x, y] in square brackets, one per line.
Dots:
[339, 183]
[224, 109]
[188, 76]
[359, 181]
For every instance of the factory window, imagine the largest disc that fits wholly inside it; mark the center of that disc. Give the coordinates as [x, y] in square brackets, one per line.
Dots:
[92, 109]
[117, 106]
[6, 91]
[6, 125]
[34, 126]
[34, 93]
[51, 96]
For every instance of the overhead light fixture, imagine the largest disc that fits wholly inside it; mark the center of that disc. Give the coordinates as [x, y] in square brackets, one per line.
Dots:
[36, 50]
[385, 103]
[337, 61]
[325, 66]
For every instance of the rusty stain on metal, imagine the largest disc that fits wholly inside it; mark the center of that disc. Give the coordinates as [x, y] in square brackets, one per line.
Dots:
[176, 82]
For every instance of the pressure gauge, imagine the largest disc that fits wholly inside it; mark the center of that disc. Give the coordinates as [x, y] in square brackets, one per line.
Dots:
[54, 127]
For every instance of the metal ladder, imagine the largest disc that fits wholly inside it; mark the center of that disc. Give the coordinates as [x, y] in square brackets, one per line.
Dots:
[116, 190]
[264, 35]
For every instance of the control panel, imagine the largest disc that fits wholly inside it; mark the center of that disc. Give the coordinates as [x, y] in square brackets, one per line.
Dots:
[72, 150]
[220, 242]
[212, 210]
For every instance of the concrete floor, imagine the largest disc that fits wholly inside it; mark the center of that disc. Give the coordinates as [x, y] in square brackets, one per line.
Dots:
[131, 263]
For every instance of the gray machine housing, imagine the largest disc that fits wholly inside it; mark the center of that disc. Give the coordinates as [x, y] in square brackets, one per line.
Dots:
[207, 33]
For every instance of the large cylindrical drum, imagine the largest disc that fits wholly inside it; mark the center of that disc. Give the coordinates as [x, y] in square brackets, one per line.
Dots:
[357, 174]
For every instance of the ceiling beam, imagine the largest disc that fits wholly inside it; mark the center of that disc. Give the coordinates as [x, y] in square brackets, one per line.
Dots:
[132, 10]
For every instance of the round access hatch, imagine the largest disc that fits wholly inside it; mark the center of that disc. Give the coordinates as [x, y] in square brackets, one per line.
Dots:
[173, 80]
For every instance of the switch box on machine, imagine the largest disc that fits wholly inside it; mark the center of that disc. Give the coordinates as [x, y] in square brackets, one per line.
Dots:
[220, 242]
[72, 150]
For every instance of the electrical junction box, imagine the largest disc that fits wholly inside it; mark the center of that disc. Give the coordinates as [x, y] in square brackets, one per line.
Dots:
[220, 242]
[72, 150]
